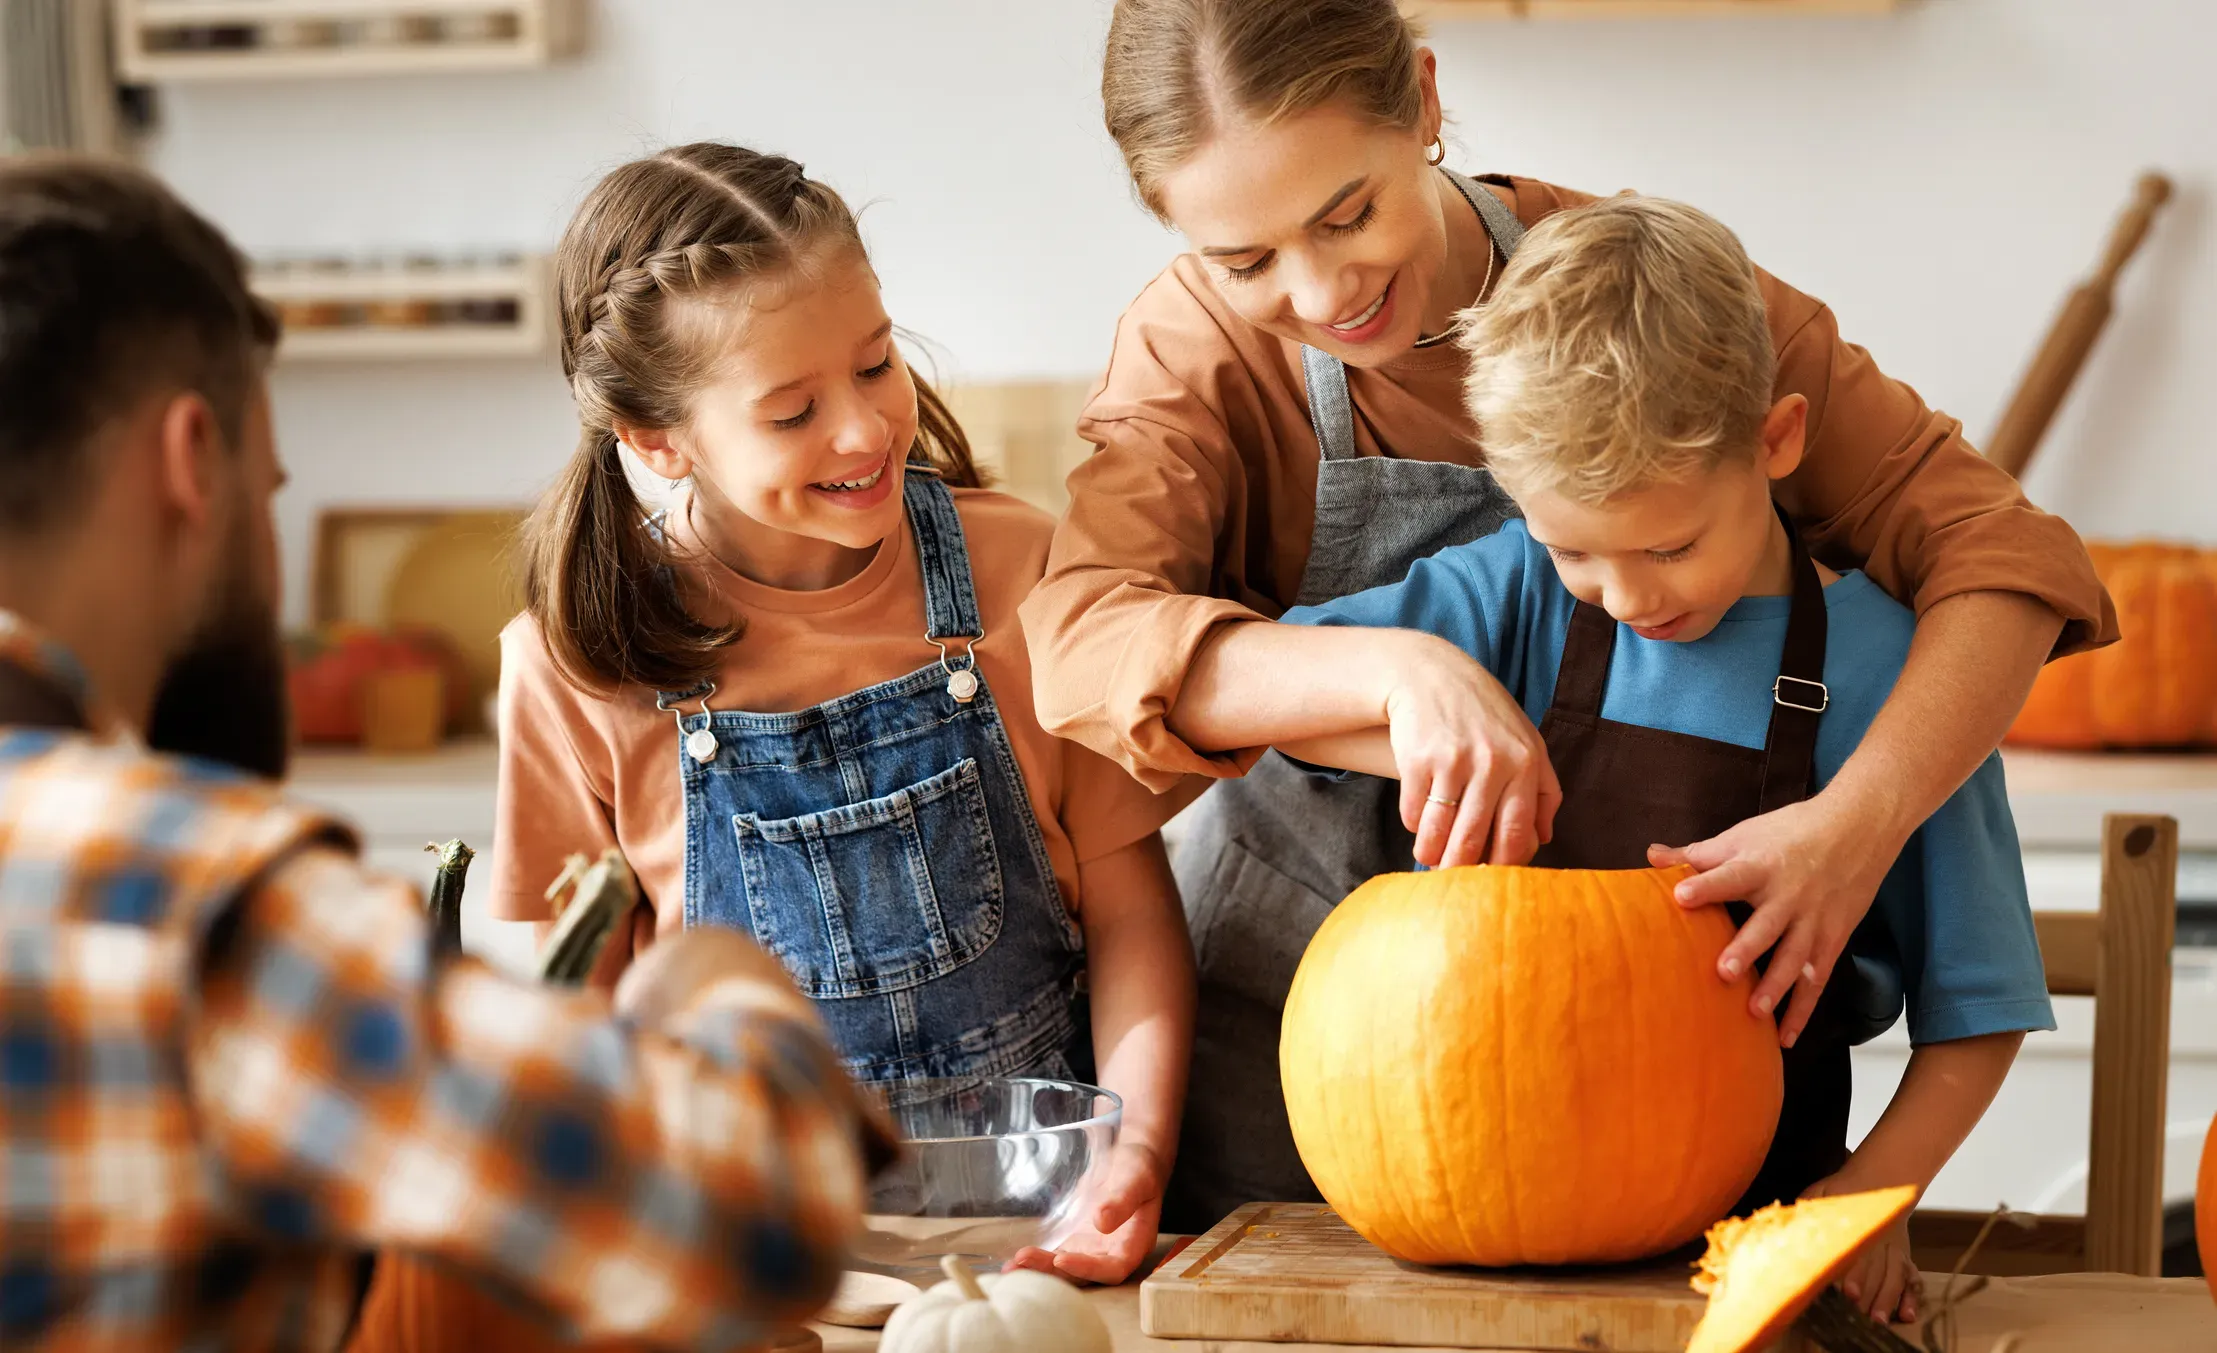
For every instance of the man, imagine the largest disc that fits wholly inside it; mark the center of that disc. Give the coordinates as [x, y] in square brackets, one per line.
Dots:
[228, 1063]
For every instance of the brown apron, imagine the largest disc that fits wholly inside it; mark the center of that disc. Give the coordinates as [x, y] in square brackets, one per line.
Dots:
[1625, 787]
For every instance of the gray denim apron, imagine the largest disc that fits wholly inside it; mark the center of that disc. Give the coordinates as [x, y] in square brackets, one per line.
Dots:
[883, 846]
[1267, 856]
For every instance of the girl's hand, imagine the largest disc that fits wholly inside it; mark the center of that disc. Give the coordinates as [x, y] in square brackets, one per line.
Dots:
[1121, 1231]
[1810, 871]
[1883, 1279]
[1476, 785]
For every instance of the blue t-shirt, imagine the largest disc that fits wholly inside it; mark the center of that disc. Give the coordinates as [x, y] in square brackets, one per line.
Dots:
[1950, 934]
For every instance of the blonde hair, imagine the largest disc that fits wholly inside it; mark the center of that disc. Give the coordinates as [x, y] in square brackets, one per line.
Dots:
[694, 222]
[1175, 70]
[1626, 346]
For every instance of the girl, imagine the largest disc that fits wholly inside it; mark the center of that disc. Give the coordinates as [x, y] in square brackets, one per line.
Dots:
[800, 700]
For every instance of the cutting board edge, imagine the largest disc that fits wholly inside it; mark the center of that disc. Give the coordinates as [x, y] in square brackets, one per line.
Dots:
[1179, 1301]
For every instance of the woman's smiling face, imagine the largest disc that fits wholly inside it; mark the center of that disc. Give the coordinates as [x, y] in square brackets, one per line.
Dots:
[1321, 227]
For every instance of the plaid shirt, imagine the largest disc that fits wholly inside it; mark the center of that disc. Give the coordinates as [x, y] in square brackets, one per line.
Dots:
[229, 1066]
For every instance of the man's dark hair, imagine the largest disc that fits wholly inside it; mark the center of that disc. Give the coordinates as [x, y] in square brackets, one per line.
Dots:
[111, 290]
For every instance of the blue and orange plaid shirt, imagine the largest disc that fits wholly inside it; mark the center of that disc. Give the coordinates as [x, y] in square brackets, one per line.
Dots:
[229, 1067]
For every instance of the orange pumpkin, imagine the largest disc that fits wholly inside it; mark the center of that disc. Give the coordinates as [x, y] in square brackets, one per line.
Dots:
[414, 1307]
[1763, 1271]
[2154, 687]
[2205, 1210]
[1503, 1066]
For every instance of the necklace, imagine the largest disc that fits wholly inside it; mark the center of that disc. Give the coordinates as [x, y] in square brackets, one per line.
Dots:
[1462, 320]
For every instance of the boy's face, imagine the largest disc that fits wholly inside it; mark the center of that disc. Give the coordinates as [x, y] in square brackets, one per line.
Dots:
[1670, 559]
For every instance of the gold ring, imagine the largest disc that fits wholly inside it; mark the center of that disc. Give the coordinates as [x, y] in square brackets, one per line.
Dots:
[1444, 803]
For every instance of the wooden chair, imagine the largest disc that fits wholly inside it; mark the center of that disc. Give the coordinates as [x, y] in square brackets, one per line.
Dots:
[2120, 956]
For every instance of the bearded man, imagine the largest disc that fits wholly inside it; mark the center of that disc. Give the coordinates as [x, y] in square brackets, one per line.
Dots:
[229, 1064]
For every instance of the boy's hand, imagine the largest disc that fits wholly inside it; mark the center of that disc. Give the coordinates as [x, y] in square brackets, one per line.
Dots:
[1883, 1279]
[1476, 785]
[1810, 871]
[1121, 1231]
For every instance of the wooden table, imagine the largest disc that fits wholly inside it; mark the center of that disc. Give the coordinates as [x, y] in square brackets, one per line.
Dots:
[2072, 1313]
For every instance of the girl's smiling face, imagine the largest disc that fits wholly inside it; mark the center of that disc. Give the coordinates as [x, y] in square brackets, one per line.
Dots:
[797, 439]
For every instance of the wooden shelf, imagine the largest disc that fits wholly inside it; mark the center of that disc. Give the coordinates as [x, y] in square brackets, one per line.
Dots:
[1636, 9]
[520, 288]
[280, 39]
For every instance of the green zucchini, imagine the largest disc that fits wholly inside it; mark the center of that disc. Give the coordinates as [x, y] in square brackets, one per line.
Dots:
[592, 900]
[445, 903]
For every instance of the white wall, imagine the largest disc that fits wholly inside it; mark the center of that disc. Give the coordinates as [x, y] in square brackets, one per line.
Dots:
[1940, 176]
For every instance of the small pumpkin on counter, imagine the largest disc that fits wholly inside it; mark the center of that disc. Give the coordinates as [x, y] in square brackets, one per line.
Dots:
[2157, 685]
[1761, 1272]
[328, 670]
[1500, 1066]
[1020, 1312]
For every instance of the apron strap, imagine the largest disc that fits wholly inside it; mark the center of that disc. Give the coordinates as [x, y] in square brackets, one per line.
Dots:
[1331, 409]
[950, 601]
[1583, 676]
[1798, 696]
[1500, 222]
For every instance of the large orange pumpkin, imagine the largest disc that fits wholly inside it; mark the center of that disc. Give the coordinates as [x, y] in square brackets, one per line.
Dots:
[1503, 1066]
[2154, 687]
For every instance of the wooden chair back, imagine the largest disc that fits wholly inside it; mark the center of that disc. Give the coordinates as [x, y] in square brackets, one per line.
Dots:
[2120, 956]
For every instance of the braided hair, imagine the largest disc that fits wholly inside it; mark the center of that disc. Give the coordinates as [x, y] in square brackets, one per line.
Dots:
[688, 222]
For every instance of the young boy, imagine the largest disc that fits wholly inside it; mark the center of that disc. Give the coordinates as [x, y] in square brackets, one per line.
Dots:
[1688, 664]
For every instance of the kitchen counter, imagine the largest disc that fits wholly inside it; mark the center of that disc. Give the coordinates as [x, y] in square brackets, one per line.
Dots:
[2071, 1313]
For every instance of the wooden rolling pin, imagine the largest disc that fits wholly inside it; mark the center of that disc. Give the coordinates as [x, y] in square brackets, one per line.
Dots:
[2040, 393]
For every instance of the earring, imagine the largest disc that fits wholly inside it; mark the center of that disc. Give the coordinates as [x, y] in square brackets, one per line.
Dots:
[1438, 156]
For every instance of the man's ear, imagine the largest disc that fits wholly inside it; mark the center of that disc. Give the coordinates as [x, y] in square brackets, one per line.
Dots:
[190, 451]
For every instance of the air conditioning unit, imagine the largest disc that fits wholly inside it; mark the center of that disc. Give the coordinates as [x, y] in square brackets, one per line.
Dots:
[56, 89]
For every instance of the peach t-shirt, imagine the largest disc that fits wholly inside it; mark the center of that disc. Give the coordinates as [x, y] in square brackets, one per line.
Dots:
[580, 771]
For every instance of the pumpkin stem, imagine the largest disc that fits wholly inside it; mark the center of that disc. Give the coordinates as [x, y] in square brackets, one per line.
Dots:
[960, 1275]
[1838, 1325]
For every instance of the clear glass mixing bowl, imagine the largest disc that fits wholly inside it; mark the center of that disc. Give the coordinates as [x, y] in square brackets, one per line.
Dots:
[987, 1168]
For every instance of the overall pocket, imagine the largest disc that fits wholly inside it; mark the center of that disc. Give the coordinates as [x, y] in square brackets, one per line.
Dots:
[876, 896]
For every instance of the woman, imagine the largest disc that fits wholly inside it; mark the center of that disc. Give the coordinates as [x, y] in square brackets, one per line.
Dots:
[1282, 422]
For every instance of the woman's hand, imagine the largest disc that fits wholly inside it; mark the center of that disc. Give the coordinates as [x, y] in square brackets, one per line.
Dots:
[1121, 1231]
[1476, 785]
[1810, 870]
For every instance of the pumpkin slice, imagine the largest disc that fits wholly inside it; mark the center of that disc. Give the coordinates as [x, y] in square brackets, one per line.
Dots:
[1763, 1270]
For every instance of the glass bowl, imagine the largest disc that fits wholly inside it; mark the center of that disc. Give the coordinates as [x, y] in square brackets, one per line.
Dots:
[986, 1168]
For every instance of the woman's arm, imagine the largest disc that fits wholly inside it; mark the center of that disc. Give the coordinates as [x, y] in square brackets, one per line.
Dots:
[1999, 586]
[1139, 965]
[1475, 780]
[1811, 870]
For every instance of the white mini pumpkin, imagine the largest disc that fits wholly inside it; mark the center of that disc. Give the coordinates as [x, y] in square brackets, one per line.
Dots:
[1021, 1312]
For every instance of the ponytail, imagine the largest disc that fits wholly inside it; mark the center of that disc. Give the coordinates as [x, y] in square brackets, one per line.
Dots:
[597, 581]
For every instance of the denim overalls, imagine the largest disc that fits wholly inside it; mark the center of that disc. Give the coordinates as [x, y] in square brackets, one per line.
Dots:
[882, 845]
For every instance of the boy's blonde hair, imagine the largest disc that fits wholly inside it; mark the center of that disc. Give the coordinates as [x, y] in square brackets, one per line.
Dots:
[1626, 346]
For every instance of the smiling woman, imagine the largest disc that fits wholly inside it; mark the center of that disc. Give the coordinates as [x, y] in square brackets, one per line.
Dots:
[1282, 422]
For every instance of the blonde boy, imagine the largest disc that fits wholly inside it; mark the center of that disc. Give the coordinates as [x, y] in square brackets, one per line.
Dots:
[1622, 378]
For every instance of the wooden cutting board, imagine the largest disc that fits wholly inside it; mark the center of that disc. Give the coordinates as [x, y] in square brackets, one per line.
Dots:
[1294, 1272]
